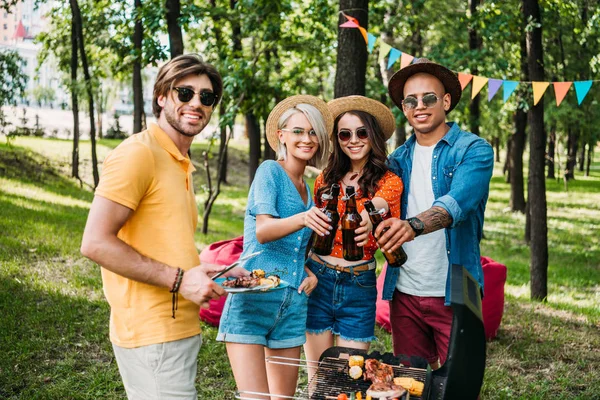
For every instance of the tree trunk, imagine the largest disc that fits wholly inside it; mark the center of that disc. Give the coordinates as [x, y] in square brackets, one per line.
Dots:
[551, 151]
[74, 100]
[506, 168]
[582, 157]
[253, 132]
[589, 157]
[572, 144]
[268, 152]
[175, 35]
[496, 142]
[351, 64]
[475, 44]
[138, 96]
[88, 86]
[99, 111]
[537, 146]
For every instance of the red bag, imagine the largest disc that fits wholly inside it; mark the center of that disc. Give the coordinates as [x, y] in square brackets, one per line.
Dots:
[223, 253]
[492, 305]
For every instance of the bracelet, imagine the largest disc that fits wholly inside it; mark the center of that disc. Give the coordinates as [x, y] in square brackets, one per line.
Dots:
[175, 290]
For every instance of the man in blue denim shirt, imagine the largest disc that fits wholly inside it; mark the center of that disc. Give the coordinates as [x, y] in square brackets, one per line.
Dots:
[446, 173]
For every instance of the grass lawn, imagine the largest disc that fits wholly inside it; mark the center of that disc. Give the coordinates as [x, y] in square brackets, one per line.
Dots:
[54, 330]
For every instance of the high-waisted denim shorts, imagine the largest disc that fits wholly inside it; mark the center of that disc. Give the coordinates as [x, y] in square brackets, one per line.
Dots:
[343, 303]
[275, 319]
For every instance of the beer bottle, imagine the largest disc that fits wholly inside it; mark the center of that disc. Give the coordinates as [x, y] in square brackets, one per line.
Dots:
[396, 258]
[323, 245]
[351, 221]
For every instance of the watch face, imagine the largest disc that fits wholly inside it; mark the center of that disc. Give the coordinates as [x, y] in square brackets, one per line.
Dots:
[417, 225]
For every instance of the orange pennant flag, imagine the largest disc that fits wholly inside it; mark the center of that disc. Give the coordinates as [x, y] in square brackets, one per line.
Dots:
[364, 33]
[464, 79]
[478, 84]
[405, 60]
[560, 91]
[539, 88]
[352, 19]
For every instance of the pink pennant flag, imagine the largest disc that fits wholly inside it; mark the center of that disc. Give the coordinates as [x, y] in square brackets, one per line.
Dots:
[349, 24]
[349, 18]
[560, 91]
[539, 88]
[464, 79]
[405, 60]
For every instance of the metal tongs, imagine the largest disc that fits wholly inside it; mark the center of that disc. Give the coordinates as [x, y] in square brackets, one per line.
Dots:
[240, 261]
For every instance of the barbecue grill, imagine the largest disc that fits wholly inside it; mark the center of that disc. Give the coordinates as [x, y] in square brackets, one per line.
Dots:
[460, 377]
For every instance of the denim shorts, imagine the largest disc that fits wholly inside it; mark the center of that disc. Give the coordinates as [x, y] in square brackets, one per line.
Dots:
[343, 303]
[275, 319]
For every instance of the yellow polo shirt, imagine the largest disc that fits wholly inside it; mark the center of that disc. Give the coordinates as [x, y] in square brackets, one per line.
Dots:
[149, 175]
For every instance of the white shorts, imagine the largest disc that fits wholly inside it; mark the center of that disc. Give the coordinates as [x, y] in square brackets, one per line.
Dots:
[160, 371]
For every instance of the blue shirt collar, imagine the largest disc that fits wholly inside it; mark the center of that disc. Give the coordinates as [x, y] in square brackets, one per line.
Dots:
[450, 137]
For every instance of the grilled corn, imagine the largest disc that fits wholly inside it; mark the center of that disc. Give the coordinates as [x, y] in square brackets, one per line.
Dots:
[356, 360]
[413, 386]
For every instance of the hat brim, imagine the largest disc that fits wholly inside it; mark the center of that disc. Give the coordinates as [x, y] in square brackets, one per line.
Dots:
[448, 78]
[381, 112]
[291, 102]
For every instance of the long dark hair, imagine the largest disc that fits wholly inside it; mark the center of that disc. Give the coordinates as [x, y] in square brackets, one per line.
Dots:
[339, 163]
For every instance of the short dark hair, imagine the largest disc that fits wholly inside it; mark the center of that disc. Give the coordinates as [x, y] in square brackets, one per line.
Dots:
[180, 67]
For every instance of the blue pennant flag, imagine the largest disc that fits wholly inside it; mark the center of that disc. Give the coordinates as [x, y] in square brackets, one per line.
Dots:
[372, 39]
[508, 88]
[394, 56]
[582, 88]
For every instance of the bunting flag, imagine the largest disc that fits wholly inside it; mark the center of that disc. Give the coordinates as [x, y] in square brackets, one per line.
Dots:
[372, 40]
[539, 88]
[582, 88]
[405, 60]
[493, 87]
[464, 79]
[394, 56]
[384, 49]
[478, 84]
[560, 91]
[508, 89]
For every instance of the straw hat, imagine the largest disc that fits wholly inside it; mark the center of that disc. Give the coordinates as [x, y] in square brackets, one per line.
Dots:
[447, 77]
[380, 111]
[292, 102]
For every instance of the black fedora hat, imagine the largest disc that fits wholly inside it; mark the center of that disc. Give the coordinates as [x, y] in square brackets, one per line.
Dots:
[423, 65]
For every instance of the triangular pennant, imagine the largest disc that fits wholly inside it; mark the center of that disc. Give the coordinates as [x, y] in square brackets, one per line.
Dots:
[478, 84]
[508, 89]
[405, 60]
[372, 40]
[539, 88]
[394, 56]
[493, 87]
[349, 18]
[582, 88]
[349, 24]
[560, 91]
[464, 79]
[384, 49]
[364, 33]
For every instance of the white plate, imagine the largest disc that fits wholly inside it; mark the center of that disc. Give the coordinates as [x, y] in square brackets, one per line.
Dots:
[257, 289]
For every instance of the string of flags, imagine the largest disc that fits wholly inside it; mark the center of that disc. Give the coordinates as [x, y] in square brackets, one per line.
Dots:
[561, 89]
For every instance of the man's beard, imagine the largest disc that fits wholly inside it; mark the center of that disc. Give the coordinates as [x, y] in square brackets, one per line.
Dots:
[171, 117]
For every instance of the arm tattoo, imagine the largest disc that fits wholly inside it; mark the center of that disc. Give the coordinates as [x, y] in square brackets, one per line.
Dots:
[434, 219]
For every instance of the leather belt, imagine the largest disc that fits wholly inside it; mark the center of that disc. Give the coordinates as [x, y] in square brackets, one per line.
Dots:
[340, 268]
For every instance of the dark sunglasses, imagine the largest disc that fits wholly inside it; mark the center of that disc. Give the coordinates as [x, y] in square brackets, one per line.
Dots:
[346, 134]
[185, 95]
[411, 102]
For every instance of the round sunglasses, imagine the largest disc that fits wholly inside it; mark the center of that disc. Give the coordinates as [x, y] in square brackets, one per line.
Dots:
[346, 134]
[411, 102]
[185, 95]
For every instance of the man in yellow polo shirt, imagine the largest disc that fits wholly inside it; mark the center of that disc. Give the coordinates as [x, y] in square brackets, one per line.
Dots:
[140, 229]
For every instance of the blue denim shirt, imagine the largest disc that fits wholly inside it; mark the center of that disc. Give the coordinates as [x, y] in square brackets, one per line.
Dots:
[461, 170]
[273, 193]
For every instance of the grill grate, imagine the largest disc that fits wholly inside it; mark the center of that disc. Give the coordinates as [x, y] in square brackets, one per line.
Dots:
[332, 379]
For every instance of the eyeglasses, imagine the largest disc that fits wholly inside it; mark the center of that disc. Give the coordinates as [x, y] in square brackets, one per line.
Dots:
[346, 134]
[300, 132]
[185, 95]
[411, 102]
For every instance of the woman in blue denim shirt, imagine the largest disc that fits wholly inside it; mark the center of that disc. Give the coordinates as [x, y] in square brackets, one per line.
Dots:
[279, 217]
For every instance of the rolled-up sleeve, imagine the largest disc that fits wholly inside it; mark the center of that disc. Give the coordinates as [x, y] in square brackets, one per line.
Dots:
[470, 182]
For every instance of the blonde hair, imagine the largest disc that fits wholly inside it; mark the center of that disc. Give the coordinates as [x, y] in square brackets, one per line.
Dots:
[315, 118]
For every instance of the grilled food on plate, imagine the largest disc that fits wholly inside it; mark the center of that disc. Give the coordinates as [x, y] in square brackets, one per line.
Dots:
[256, 278]
[378, 372]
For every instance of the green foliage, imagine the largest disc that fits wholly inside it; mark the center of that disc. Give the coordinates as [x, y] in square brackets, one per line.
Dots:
[12, 78]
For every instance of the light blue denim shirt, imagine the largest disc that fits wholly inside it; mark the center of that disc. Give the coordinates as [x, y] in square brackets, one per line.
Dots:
[461, 170]
[273, 193]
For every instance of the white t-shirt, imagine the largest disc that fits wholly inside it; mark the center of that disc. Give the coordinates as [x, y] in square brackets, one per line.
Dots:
[425, 271]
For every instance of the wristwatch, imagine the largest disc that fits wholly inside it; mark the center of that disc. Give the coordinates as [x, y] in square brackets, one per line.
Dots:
[417, 225]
